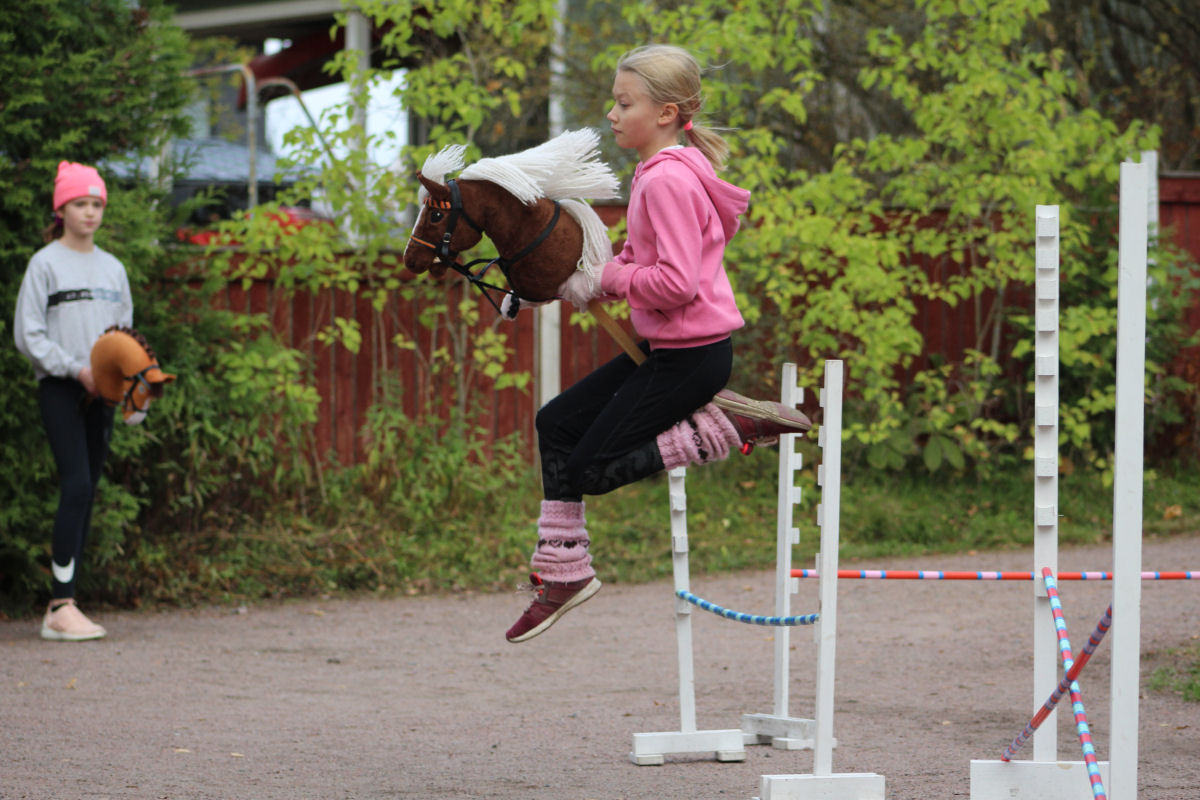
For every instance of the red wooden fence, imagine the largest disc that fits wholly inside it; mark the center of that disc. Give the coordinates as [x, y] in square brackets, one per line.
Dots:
[1179, 216]
[348, 383]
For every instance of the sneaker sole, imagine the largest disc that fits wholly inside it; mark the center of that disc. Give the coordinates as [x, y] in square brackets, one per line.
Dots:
[586, 593]
[51, 635]
[758, 409]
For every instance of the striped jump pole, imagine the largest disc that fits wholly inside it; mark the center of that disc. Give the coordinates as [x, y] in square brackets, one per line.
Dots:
[964, 575]
[1063, 685]
[1081, 721]
[751, 619]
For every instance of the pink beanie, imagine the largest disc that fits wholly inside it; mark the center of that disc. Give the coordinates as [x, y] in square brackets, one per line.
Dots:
[77, 180]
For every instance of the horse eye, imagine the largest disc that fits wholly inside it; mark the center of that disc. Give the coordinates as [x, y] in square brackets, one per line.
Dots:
[435, 215]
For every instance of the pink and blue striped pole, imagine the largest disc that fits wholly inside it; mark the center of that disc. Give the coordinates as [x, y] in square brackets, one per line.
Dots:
[1063, 685]
[1081, 721]
[944, 575]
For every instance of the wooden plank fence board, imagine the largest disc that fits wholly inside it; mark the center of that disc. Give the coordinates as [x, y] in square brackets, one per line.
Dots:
[349, 384]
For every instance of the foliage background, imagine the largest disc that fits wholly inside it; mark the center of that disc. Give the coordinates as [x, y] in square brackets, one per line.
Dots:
[850, 122]
[83, 82]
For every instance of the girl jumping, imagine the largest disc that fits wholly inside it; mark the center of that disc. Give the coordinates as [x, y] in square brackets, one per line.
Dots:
[626, 421]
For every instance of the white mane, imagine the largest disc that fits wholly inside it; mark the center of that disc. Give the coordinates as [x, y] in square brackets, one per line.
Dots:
[597, 249]
[448, 159]
[567, 168]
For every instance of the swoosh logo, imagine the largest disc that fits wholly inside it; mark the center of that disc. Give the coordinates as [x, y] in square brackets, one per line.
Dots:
[63, 574]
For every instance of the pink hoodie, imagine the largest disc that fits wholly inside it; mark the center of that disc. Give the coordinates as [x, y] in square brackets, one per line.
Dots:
[670, 271]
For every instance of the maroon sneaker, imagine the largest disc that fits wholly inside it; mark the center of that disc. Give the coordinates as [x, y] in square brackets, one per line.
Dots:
[552, 601]
[759, 421]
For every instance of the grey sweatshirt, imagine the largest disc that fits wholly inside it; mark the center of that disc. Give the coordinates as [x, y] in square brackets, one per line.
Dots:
[66, 301]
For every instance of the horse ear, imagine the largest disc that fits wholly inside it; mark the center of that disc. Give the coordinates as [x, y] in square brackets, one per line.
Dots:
[438, 191]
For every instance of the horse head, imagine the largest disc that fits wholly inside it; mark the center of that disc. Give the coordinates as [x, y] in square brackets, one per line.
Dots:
[126, 372]
[519, 198]
[437, 237]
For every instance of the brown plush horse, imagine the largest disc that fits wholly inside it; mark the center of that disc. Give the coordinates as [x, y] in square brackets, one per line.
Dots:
[530, 204]
[517, 201]
[126, 372]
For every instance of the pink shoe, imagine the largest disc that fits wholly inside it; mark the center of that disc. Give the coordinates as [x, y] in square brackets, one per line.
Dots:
[552, 601]
[760, 421]
[64, 622]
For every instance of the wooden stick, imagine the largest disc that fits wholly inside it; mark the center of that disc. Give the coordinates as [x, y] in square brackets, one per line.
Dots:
[616, 331]
[755, 408]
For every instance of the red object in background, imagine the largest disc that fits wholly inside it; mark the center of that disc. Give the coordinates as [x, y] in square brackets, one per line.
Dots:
[288, 217]
[300, 63]
[303, 61]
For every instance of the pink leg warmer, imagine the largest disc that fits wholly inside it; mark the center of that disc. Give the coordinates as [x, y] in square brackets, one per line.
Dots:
[703, 438]
[562, 549]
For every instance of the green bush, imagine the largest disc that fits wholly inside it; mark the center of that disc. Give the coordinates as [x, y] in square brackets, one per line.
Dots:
[834, 262]
[428, 510]
[221, 494]
[87, 82]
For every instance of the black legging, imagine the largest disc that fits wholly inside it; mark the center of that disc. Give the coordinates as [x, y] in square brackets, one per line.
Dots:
[79, 431]
[600, 434]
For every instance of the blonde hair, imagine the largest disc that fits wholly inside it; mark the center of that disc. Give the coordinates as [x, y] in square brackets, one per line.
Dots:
[672, 75]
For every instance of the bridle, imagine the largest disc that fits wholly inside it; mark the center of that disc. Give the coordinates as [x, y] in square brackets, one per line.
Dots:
[449, 256]
[140, 377]
[455, 208]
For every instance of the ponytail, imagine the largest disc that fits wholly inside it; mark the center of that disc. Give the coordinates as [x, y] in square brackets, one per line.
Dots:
[708, 142]
[53, 231]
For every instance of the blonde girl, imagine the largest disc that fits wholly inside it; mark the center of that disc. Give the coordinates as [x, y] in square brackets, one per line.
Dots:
[626, 420]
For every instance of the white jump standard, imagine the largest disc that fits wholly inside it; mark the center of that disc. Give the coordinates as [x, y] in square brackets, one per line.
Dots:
[650, 749]
[778, 728]
[1046, 776]
[728, 744]
[823, 783]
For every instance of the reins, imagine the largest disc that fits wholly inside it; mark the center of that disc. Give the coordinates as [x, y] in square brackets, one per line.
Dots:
[449, 256]
[476, 279]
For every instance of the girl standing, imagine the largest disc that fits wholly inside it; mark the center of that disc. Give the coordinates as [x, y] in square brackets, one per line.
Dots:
[72, 291]
[626, 421]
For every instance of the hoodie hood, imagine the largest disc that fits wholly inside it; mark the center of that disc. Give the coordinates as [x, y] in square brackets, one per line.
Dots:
[729, 201]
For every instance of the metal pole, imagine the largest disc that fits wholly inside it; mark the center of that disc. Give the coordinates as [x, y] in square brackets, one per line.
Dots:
[358, 37]
[251, 120]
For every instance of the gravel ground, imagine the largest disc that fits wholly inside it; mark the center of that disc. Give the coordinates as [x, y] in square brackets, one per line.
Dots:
[422, 697]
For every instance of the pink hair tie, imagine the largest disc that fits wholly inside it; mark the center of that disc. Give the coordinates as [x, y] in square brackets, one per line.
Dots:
[687, 126]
